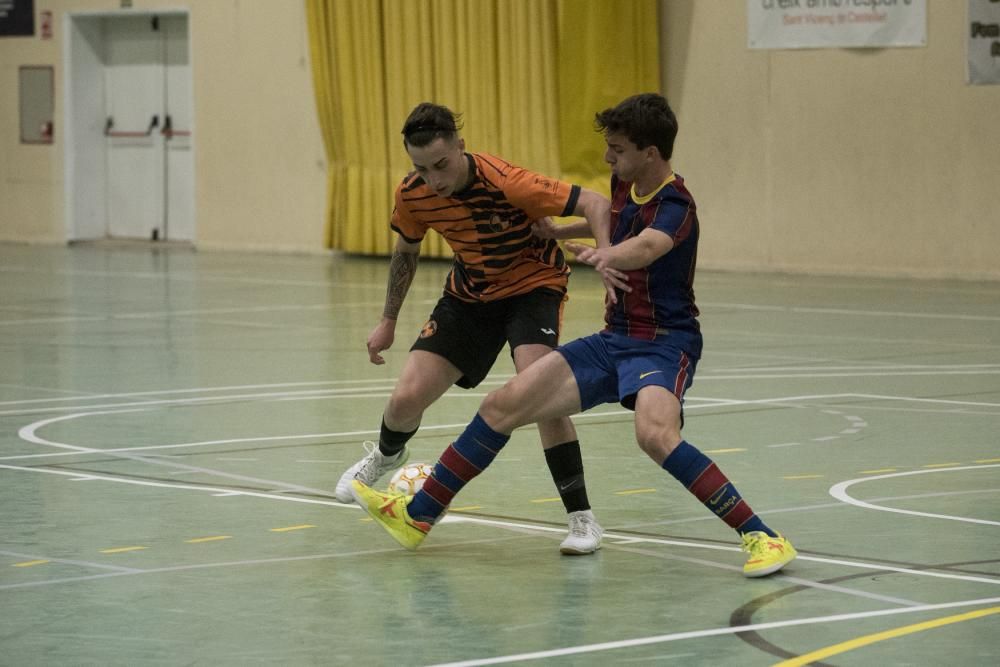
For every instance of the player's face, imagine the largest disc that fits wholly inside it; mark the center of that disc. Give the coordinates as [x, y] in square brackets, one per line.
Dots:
[442, 164]
[626, 159]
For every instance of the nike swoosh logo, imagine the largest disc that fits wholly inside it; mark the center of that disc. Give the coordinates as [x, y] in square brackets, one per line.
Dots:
[715, 500]
[549, 332]
[647, 374]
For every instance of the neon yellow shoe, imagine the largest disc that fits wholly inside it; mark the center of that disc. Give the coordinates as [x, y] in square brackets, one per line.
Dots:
[767, 554]
[389, 511]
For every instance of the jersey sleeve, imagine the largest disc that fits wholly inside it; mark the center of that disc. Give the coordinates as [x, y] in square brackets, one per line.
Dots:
[674, 217]
[539, 195]
[405, 224]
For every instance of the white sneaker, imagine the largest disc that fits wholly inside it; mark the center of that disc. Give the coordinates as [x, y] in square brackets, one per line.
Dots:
[584, 534]
[368, 470]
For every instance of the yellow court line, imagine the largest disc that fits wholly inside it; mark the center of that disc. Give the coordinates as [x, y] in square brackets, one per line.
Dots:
[214, 538]
[469, 508]
[941, 465]
[630, 492]
[546, 500]
[119, 550]
[802, 476]
[875, 472]
[288, 528]
[843, 647]
[988, 461]
[725, 451]
[29, 563]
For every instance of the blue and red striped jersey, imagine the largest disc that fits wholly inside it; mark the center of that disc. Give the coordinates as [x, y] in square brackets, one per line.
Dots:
[662, 297]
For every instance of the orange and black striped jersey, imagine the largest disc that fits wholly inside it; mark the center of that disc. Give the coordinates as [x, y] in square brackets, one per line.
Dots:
[488, 226]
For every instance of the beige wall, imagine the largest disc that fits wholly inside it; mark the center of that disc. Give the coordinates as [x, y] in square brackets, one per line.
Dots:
[852, 161]
[880, 162]
[259, 160]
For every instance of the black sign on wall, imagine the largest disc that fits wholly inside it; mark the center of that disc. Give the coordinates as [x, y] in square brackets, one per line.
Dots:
[17, 18]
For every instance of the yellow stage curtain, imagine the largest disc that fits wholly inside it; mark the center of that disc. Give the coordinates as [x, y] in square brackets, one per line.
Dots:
[516, 70]
[607, 52]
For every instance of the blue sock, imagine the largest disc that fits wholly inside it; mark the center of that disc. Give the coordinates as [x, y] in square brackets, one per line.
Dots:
[465, 458]
[707, 483]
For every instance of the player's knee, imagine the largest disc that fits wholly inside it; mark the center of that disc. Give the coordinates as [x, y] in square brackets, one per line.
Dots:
[501, 410]
[657, 441]
[406, 405]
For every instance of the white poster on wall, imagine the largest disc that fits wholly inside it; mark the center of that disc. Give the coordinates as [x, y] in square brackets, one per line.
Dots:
[813, 24]
[984, 41]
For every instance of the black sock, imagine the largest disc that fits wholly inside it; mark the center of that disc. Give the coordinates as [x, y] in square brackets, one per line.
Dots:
[392, 442]
[566, 465]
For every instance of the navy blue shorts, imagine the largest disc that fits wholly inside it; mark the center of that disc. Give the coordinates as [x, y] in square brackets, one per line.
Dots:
[610, 368]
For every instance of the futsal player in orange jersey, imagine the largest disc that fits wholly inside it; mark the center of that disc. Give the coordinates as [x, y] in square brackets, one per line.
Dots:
[506, 286]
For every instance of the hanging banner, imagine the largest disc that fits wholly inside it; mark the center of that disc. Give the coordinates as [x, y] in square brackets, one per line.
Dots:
[983, 38]
[815, 24]
[17, 18]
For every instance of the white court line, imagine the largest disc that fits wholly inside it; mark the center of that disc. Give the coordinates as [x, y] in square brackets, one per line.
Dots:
[28, 432]
[206, 277]
[853, 311]
[839, 491]
[853, 374]
[222, 398]
[865, 367]
[345, 392]
[67, 561]
[714, 632]
[186, 487]
[927, 400]
[235, 563]
[194, 390]
[840, 339]
[510, 525]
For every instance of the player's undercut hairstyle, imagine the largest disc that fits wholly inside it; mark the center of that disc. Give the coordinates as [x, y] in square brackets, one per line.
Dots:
[646, 119]
[429, 121]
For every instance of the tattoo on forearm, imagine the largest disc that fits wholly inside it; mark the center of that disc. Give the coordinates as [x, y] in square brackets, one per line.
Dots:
[402, 268]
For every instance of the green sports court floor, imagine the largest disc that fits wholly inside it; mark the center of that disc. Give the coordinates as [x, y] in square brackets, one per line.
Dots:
[172, 425]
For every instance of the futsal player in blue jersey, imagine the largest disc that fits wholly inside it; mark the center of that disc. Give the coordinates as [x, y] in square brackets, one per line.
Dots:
[645, 358]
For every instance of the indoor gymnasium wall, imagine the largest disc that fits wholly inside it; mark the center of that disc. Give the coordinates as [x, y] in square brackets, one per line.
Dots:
[261, 165]
[843, 161]
[259, 160]
[869, 162]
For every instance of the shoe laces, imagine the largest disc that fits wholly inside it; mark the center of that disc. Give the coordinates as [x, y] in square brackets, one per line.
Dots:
[579, 525]
[370, 462]
[755, 542]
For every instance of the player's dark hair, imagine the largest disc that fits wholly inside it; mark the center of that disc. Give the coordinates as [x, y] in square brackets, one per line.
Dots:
[429, 121]
[646, 119]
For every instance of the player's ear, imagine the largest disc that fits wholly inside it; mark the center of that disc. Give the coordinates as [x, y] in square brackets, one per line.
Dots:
[461, 144]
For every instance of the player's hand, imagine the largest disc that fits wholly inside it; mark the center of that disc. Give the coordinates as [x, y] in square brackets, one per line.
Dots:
[381, 339]
[545, 228]
[612, 278]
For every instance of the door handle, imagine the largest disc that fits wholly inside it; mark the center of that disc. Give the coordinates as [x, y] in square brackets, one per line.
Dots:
[110, 123]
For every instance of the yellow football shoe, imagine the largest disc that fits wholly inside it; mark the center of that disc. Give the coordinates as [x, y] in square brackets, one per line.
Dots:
[767, 554]
[389, 511]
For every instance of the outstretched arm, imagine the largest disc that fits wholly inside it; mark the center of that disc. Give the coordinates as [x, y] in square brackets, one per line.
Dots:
[635, 253]
[402, 268]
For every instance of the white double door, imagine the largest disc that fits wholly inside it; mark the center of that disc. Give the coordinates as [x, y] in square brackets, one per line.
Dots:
[147, 131]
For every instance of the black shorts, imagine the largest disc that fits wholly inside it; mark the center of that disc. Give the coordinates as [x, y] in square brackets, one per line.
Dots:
[471, 335]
